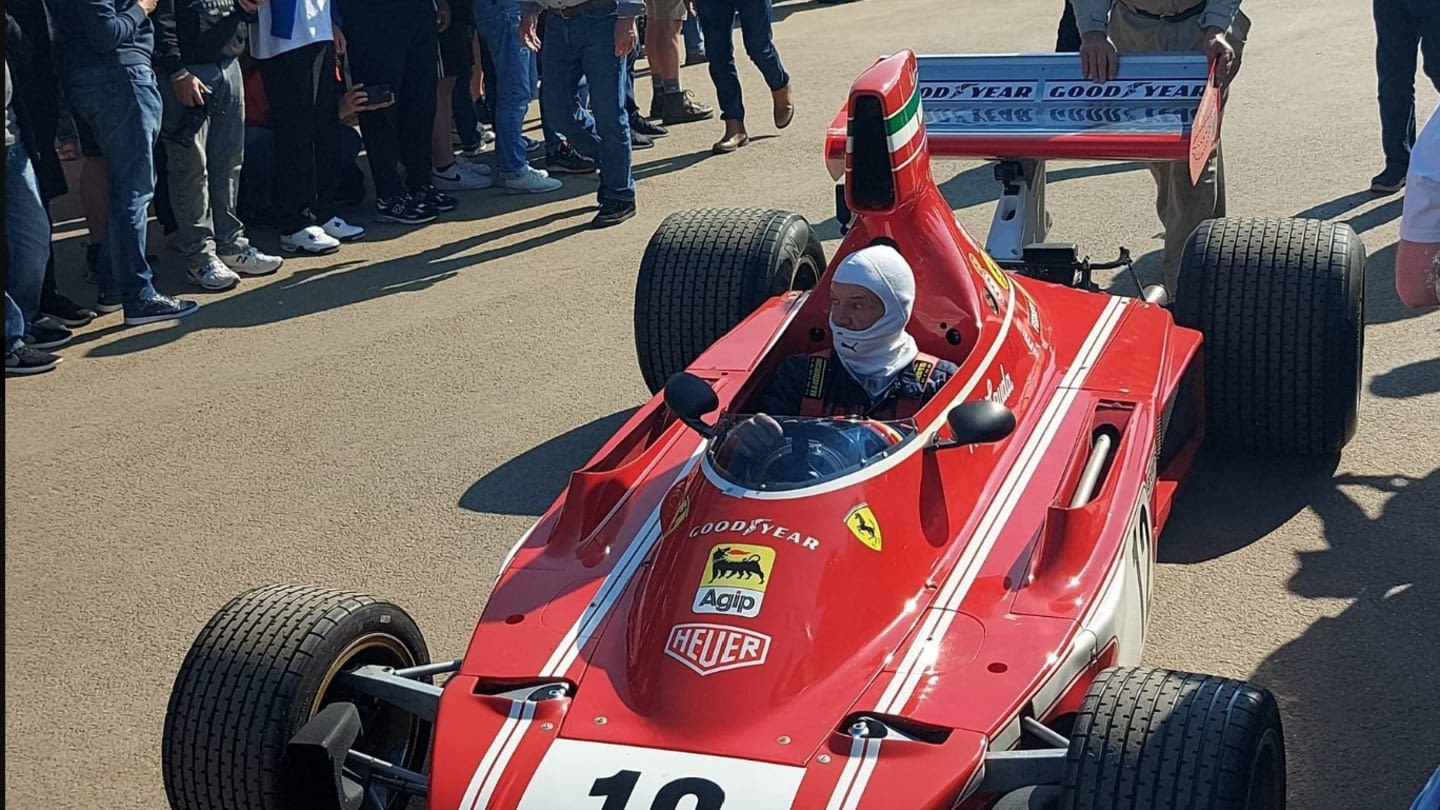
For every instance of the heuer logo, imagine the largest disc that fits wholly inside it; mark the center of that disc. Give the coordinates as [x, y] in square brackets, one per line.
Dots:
[711, 648]
[734, 580]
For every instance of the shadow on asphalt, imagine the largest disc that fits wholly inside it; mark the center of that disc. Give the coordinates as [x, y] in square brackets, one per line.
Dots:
[1411, 380]
[1357, 689]
[1231, 501]
[530, 482]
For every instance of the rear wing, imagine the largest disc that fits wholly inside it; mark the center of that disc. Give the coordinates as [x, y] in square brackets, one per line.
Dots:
[1039, 106]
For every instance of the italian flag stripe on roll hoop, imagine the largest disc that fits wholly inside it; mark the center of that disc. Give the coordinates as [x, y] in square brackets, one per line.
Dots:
[903, 126]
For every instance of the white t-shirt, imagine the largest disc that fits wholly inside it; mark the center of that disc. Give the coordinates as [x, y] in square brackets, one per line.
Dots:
[1420, 221]
[312, 24]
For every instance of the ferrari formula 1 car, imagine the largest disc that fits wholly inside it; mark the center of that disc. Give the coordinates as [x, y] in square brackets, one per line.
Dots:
[943, 611]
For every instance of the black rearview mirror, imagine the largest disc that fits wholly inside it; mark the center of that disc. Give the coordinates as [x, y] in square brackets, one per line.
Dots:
[690, 398]
[979, 422]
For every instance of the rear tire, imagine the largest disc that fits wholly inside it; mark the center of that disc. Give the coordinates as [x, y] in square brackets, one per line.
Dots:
[1151, 738]
[1281, 303]
[705, 271]
[263, 666]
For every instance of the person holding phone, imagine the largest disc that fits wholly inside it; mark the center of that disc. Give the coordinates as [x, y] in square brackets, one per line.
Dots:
[393, 47]
[202, 128]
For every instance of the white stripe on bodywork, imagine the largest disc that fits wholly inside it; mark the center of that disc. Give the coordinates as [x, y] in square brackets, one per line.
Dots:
[926, 641]
[514, 726]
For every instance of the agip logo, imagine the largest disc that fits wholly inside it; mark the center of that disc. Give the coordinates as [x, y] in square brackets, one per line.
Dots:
[734, 580]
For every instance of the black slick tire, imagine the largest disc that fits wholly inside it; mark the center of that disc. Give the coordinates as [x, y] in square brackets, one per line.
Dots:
[705, 271]
[258, 671]
[1281, 305]
[1152, 738]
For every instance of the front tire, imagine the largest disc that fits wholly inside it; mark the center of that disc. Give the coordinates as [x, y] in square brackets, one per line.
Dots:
[705, 271]
[263, 666]
[1281, 303]
[1152, 738]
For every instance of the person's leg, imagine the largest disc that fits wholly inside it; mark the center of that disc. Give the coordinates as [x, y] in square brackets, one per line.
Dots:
[27, 243]
[185, 137]
[123, 105]
[417, 105]
[1067, 34]
[290, 90]
[663, 50]
[257, 174]
[717, 19]
[326, 111]
[1396, 46]
[1428, 24]
[605, 74]
[377, 51]
[225, 154]
[164, 209]
[94, 189]
[755, 31]
[694, 40]
[500, 31]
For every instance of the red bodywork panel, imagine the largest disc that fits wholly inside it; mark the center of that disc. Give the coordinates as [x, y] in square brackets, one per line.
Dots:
[716, 644]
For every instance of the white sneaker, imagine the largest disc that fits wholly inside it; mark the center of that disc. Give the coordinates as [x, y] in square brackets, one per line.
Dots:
[214, 275]
[462, 176]
[251, 262]
[337, 228]
[531, 181]
[310, 240]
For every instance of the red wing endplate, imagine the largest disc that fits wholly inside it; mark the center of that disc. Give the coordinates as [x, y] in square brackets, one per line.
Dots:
[1040, 106]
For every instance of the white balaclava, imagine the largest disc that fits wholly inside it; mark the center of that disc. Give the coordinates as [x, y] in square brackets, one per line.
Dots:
[874, 356]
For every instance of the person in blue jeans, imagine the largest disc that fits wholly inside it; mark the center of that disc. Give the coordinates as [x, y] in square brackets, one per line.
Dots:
[717, 20]
[104, 50]
[590, 39]
[27, 248]
[498, 24]
[1402, 28]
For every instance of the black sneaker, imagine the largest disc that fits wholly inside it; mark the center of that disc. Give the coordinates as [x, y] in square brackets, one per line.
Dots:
[159, 308]
[65, 312]
[404, 209]
[29, 360]
[568, 161]
[646, 127]
[105, 304]
[1389, 181]
[435, 198]
[638, 141]
[47, 334]
[612, 213]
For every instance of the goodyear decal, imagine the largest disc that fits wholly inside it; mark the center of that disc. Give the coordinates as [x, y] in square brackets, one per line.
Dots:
[734, 580]
[863, 525]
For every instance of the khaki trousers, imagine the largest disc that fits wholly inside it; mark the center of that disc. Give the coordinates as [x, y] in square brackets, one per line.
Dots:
[1180, 204]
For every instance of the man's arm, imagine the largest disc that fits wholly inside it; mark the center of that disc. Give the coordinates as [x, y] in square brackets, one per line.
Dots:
[168, 61]
[104, 27]
[1219, 14]
[1091, 15]
[786, 389]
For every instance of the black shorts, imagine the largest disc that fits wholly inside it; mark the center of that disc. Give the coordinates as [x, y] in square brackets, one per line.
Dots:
[455, 56]
[89, 147]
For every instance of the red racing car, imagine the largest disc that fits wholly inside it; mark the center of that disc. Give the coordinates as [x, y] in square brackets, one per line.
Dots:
[941, 611]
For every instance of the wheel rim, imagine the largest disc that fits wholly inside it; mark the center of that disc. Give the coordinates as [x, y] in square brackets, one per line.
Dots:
[388, 732]
[1266, 787]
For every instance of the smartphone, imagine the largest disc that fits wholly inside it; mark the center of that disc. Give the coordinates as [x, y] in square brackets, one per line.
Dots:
[378, 94]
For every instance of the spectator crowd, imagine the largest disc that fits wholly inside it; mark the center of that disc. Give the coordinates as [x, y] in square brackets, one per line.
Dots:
[226, 116]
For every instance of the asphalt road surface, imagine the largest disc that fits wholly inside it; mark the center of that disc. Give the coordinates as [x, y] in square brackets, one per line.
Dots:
[392, 418]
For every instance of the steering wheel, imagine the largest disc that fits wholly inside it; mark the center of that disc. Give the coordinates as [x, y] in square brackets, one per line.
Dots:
[804, 455]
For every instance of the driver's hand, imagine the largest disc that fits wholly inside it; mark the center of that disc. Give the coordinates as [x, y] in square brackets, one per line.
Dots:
[757, 435]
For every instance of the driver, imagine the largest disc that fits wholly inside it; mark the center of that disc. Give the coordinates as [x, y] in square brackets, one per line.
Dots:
[880, 373]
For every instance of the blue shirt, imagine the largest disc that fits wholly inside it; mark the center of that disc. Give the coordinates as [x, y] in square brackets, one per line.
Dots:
[101, 33]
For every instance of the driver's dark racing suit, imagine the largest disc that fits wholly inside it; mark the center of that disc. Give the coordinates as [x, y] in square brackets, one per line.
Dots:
[818, 385]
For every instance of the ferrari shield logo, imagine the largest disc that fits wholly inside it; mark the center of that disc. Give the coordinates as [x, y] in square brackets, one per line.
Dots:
[863, 525]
